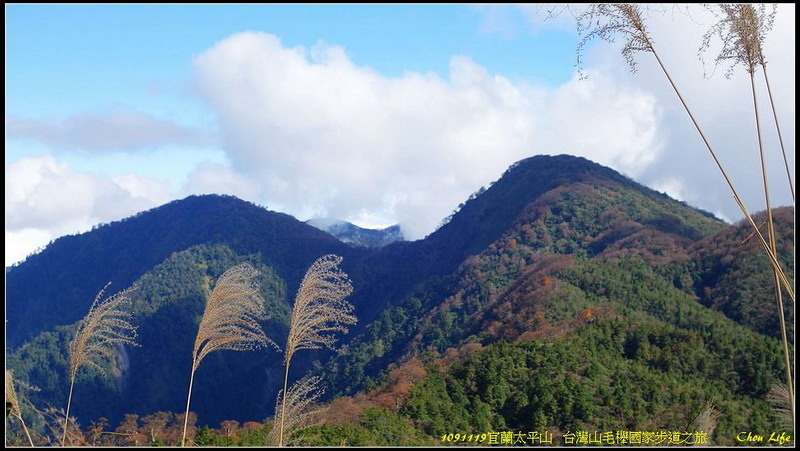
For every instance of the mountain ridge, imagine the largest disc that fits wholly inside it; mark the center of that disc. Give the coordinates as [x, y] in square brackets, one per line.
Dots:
[145, 240]
[530, 243]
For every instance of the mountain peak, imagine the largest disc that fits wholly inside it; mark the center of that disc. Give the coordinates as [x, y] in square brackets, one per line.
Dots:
[537, 181]
[122, 251]
[352, 234]
[568, 168]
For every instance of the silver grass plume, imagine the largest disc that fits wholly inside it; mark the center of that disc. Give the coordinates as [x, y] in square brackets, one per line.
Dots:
[101, 330]
[230, 321]
[706, 421]
[320, 310]
[232, 316]
[781, 402]
[301, 409]
[12, 403]
[609, 21]
[741, 28]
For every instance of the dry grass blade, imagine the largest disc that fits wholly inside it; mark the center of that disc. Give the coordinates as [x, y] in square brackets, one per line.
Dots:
[231, 320]
[300, 409]
[320, 308]
[780, 399]
[104, 327]
[750, 236]
[232, 317]
[611, 21]
[12, 403]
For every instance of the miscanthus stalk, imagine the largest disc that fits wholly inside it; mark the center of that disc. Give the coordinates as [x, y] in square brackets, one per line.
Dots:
[12, 403]
[299, 405]
[105, 327]
[231, 321]
[320, 311]
[742, 29]
[611, 21]
[778, 129]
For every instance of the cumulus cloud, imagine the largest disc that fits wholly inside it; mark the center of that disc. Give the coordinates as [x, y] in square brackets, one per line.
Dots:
[308, 132]
[115, 130]
[725, 111]
[215, 178]
[46, 199]
[153, 191]
[722, 106]
[672, 187]
[322, 136]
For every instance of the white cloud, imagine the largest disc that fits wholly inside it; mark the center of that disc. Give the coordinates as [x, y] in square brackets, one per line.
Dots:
[611, 123]
[45, 199]
[215, 178]
[322, 136]
[154, 191]
[21, 243]
[723, 108]
[114, 130]
[308, 132]
[42, 192]
[673, 187]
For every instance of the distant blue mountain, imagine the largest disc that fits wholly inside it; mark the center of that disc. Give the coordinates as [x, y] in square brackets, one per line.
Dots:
[358, 236]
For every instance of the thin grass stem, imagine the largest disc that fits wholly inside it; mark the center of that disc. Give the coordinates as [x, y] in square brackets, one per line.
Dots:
[778, 128]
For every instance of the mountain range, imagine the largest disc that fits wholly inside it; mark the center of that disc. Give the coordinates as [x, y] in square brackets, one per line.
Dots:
[564, 295]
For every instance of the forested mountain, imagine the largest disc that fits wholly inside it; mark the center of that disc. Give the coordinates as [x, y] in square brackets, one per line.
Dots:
[57, 285]
[563, 296]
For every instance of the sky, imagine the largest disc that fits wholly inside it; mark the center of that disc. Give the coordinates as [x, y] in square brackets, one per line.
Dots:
[375, 114]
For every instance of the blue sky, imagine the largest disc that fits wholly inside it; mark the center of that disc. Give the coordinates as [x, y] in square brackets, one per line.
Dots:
[64, 59]
[374, 114]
